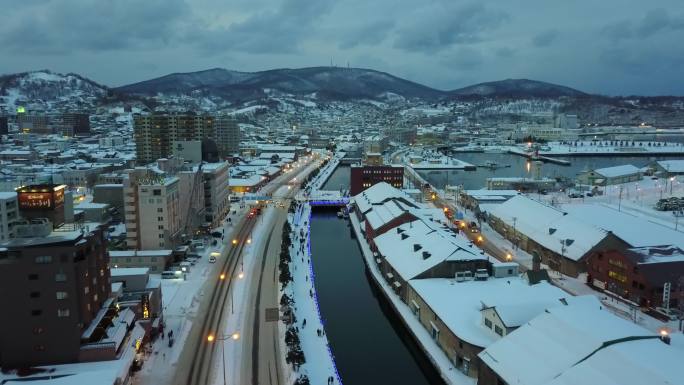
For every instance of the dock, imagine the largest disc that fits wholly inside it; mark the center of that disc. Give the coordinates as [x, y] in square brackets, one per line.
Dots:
[543, 158]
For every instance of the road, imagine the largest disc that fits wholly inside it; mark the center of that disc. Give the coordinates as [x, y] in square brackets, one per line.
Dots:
[261, 357]
[197, 360]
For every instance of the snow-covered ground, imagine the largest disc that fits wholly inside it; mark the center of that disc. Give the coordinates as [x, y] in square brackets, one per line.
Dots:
[181, 299]
[636, 198]
[320, 362]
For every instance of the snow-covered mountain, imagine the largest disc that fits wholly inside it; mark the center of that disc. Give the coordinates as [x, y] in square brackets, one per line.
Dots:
[326, 83]
[45, 90]
[517, 88]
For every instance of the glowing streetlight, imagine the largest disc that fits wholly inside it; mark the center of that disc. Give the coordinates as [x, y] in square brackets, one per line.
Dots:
[234, 242]
[446, 209]
[211, 338]
[222, 276]
[509, 257]
[664, 333]
[249, 240]
[241, 275]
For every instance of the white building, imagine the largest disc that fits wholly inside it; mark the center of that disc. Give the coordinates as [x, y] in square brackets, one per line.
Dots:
[152, 211]
[9, 214]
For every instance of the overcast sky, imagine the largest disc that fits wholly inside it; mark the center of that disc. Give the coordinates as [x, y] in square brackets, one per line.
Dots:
[607, 46]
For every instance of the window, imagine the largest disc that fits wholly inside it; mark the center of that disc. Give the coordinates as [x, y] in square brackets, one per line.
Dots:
[161, 244]
[156, 192]
[160, 227]
[33, 277]
[161, 236]
[44, 259]
[160, 219]
[60, 277]
[488, 323]
[160, 209]
[86, 289]
[38, 330]
[62, 312]
[617, 276]
[61, 295]
[36, 312]
[153, 259]
[35, 294]
[39, 348]
[498, 330]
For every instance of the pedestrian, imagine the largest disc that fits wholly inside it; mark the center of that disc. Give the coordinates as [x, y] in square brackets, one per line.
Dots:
[164, 356]
[304, 323]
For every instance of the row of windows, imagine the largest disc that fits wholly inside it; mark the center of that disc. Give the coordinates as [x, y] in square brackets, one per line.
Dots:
[58, 294]
[59, 277]
[617, 276]
[60, 313]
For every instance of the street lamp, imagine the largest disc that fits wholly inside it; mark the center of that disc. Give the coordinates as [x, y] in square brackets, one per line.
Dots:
[211, 338]
[235, 242]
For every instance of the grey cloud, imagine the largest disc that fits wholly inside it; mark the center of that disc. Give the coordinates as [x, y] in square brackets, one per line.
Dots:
[504, 52]
[274, 31]
[654, 21]
[545, 38]
[444, 24]
[464, 59]
[369, 34]
[93, 25]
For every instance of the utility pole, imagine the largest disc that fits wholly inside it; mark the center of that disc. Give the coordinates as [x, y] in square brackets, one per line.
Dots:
[620, 199]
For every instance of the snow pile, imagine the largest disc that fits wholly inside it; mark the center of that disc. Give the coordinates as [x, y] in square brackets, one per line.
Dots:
[308, 325]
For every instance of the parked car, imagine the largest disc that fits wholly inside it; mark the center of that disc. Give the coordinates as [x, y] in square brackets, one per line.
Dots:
[217, 234]
[212, 259]
[575, 195]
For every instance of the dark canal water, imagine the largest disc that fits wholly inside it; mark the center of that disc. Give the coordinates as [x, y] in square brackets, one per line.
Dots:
[518, 166]
[370, 344]
[339, 179]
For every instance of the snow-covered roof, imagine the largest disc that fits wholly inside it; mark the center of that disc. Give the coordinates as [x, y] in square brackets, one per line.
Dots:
[382, 214]
[417, 246]
[583, 344]
[459, 304]
[379, 193]
[617, 171]
[673, 165]
[548, 226]
[635, 230]
[124, 271]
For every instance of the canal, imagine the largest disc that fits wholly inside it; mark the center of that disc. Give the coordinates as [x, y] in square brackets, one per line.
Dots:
[339, 179]
[370, 344]
[510, 165]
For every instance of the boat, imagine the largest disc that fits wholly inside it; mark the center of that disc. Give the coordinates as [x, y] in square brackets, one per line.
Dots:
[490, 164]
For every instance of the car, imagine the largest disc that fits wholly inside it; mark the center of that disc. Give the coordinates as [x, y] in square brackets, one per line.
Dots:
[589, 194]
[575, 195]
[212, 259]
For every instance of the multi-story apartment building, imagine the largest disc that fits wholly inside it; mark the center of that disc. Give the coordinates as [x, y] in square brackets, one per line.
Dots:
[9, 214]
[54, 285]
[152, 210]
[74, 124]
[227, 135]
[155, 134]
[33, 123]
[216, 192]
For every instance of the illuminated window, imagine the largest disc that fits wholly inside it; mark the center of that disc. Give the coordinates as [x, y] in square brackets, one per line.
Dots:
[60, 277]
[61, 295]
[62, 312]
[617, 276]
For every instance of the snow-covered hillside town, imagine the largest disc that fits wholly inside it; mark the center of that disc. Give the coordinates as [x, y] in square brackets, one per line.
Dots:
[285, 192]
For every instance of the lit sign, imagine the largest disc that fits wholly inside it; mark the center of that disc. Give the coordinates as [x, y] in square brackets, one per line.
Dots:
[21, 110]
[138, 342]
[40, 198]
